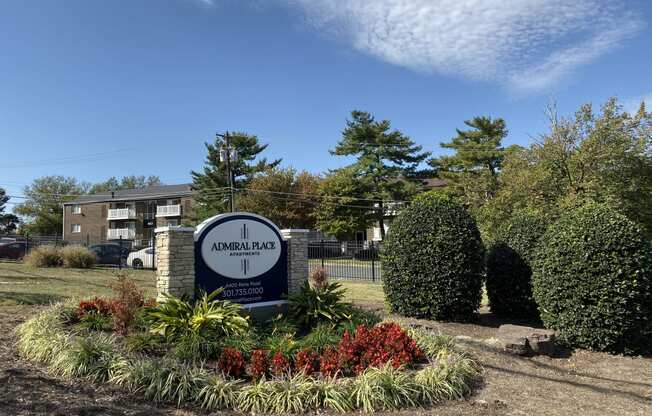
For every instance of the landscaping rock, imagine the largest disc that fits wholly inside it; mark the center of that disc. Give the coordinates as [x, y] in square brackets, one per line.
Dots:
[525, 340]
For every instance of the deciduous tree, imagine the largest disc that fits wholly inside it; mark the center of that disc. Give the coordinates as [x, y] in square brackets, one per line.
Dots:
[8, 222]
[285, 196]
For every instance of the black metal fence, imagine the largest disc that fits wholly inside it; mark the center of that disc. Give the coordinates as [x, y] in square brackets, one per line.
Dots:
[348, 260]
[119, 252]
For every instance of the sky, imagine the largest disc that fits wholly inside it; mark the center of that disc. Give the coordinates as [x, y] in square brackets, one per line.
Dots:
[94, 89]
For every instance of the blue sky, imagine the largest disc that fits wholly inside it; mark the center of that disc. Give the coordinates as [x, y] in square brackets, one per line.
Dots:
[142, 84]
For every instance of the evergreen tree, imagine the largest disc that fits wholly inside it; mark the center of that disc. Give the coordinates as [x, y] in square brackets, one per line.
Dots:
[387, 159]
[8, 222]
[473, 170]
[212, 182]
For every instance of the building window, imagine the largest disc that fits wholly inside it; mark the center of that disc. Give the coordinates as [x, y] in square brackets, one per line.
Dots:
[76, 209]
[173, 223]
[76, 228]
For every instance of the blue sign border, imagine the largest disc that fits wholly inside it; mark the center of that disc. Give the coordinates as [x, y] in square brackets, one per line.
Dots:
[274, 282]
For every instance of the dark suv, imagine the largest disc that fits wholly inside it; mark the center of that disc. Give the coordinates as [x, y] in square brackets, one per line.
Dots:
[110, 254]
[13, 250]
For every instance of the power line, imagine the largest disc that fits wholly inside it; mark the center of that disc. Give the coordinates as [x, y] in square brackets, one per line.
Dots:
[67, 159]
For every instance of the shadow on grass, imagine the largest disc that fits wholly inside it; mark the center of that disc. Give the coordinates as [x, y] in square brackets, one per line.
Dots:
[21, 298]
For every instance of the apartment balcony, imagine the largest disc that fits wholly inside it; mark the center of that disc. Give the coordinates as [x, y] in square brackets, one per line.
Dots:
[168, 210]
[122, 214]
[117, 233]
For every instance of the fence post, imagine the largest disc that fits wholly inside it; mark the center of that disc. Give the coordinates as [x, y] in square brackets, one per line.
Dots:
[120, 254]
[26, 243]
[373, 262]
[153, 250]
[321, 251]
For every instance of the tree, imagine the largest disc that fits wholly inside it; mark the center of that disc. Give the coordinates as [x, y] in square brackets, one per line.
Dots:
[604, 157]
[212, 183]
[342, 208]
[8, 222]
[474, 167]
[127, 182]
[43, 207]
[285, 196]
[387, 159]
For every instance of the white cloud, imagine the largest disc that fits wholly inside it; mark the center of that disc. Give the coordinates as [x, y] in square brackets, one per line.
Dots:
[528, 45]
[632, 104]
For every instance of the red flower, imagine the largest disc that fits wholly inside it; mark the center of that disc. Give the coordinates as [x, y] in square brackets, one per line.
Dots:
[231, 362]
[306, 361]
[258, 364]
[280, 364]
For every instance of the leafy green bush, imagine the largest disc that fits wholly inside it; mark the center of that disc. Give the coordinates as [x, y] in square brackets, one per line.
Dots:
[432, 261]
[44, 256]
[592, 279]
[78, 257]
[145, 342]
[95, 321]
[509, 273]
[312, 306]
[177, 316]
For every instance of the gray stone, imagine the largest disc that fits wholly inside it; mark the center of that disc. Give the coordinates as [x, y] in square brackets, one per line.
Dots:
[525, 340]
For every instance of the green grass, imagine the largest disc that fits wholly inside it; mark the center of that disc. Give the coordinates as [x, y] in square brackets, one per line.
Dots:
[24, 285]
[363, 292]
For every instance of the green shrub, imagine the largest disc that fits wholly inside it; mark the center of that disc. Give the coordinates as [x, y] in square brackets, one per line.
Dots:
[432, 261]
[195, 347]
[312, 306]
[177, 316]
[449, 377]
[509, 273]
[592, 279]
[95, 321]
[44, 256]
[431, 344]
[78, 257]
[219, 393]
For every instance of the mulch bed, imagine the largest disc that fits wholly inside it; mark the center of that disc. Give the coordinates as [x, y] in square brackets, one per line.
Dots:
[580, 382]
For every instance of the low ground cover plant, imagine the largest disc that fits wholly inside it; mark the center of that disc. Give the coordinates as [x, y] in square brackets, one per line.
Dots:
[231, 363]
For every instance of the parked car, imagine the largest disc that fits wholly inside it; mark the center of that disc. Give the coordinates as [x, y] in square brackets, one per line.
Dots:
[110, 253]
[141, 258]
[13, 250]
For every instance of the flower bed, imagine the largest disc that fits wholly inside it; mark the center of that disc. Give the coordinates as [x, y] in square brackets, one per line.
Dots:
[179, 352]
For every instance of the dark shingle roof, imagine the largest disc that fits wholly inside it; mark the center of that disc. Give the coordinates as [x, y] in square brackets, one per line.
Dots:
[151, 192]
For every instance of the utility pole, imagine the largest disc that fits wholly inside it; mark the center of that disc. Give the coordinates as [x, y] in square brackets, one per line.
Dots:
[228, 155]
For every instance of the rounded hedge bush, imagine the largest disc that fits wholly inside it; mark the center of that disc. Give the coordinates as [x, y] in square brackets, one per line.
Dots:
[592, 280]
[509, 273]
[432, 261]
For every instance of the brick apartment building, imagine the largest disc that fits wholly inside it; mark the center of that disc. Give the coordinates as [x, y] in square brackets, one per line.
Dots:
[123, 214]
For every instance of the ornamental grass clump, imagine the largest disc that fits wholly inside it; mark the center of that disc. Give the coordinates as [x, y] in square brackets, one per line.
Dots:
[44, 256]
[433, 261]
[89, 357]
[77, 257]
[384, 388]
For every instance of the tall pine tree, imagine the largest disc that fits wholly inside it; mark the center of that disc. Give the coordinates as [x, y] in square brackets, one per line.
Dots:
[386, 158]
[473, 170]
[213, 181]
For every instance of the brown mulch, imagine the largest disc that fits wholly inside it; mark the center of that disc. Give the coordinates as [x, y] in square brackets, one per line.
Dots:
[574, 383]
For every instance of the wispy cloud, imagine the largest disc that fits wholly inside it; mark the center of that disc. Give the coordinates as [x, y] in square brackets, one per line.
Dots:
[527, 45]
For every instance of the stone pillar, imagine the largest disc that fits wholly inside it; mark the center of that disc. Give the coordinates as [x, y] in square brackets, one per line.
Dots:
[297, 258]
[175, 261]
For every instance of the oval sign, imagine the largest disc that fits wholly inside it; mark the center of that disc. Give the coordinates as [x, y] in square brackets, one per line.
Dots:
[241, 248]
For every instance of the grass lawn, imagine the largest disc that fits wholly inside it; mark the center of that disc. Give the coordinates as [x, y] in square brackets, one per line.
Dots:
[20, 284]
